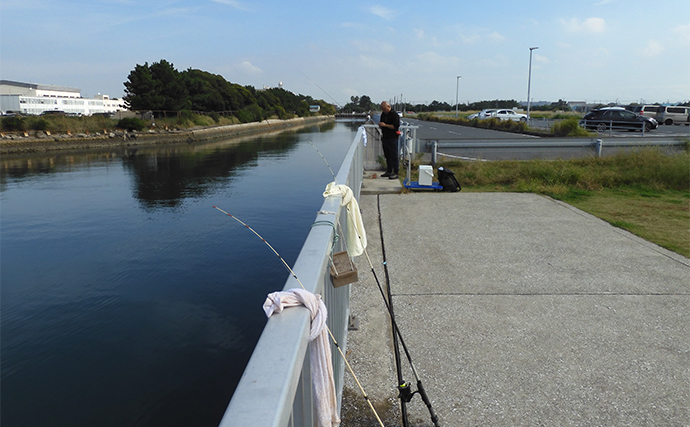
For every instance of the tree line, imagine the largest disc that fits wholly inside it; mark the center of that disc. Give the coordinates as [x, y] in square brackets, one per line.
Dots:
[364, 104]
[160, 87]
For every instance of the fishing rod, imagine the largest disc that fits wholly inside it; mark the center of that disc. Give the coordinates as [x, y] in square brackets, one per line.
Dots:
[405, 392]
[324, 160]
[294, 275]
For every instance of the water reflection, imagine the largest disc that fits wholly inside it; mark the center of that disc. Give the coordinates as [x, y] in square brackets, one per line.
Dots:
[164, 176]
[126, 299]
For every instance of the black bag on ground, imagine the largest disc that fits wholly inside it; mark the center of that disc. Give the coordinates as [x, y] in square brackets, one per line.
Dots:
[447, 180]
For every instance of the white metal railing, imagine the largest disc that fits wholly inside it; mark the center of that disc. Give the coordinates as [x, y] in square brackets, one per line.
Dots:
[374, 150]
[615, 125]
[597, 145]
[275, 389]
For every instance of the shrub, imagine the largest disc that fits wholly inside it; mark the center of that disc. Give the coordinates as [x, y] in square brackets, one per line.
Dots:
[252, 113]
[39, 124]
[184, 116]
[131, 123]
[201, 120]
[568, 127]
[14, 124]
[282, 114]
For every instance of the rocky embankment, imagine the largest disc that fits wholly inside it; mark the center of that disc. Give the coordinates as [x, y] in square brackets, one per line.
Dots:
[43, 141]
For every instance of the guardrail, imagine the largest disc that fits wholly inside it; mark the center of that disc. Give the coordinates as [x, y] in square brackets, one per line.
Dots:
[615, 125]
[275, 389]
[597, 145]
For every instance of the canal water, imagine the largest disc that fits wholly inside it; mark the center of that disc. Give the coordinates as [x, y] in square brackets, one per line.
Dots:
[127, 300]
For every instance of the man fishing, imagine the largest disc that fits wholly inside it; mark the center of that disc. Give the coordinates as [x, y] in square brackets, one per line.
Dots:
[389, 124]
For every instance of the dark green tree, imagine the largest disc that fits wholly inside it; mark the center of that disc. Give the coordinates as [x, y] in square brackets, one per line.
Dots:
[156, 87]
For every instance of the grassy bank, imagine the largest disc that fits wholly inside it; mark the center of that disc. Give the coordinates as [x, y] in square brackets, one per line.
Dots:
[64, 124]
[645, 192]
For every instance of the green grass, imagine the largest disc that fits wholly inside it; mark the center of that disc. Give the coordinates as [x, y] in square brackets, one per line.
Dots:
[61, 124]
[645, 192]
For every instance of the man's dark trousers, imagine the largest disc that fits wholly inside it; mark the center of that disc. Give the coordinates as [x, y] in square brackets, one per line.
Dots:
[390, 152]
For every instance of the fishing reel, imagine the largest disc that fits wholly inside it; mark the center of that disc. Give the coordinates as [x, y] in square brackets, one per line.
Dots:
[405, 392]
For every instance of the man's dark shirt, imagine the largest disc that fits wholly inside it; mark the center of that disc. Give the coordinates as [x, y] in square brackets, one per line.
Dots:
[390, 118]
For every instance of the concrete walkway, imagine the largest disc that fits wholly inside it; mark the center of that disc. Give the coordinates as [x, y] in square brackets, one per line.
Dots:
[519, 310]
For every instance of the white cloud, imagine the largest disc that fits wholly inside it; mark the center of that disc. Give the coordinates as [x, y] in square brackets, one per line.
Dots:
[368, 62]
[471, 39]
[419, 33]
[234, 3]
[541, 59]
[367, 46]
[589, 25]
[435, 60]
[652, 49]
[382, 11]
[495, 36]
[180, 11]
[249, 68]
[683, 31]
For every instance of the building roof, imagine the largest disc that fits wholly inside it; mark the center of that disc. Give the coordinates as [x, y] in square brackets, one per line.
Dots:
[40, 86]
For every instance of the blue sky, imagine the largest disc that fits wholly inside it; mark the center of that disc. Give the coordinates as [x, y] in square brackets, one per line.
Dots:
[589, 50]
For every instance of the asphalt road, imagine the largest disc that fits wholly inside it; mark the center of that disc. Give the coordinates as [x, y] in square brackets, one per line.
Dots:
[443, 132]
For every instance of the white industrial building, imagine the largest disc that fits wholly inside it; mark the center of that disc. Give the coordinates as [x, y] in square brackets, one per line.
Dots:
[29, 98]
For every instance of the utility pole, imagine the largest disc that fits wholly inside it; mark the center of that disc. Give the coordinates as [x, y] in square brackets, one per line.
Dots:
[457, 86]
[529, 80]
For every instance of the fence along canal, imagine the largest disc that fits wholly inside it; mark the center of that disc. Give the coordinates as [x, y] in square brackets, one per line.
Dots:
[275, 389]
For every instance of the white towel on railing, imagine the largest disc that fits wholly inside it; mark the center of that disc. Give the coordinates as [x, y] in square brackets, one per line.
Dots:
[319, 350]
[356, 238]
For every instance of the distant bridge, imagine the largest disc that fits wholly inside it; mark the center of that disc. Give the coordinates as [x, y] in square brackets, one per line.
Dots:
[351, 115]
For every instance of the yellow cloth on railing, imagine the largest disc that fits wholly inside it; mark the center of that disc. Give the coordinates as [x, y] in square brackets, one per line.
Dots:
[356, 236]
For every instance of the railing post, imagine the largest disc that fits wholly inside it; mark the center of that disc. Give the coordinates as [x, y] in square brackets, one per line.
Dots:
[597, 147]
[434, 152]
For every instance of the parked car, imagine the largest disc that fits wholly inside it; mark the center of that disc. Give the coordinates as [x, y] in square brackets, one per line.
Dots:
[617, 118]
[648, 110]
[510, 115]
[484, 114]
[674, 115]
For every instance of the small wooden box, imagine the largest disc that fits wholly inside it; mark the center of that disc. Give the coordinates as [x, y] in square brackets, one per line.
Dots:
[343, 271]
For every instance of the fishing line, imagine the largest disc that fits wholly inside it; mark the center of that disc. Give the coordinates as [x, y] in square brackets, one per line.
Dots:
[300, 71]
[324, 159]
[335, 342]
[405, 393]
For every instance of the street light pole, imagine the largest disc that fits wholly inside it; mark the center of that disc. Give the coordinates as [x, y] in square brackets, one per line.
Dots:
[529, 80]
[457, 86]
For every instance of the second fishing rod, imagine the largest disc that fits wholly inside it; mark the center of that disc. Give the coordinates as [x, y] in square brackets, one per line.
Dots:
[405, 392]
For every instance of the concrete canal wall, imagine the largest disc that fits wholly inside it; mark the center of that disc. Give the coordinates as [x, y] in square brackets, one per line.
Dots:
[18, 144]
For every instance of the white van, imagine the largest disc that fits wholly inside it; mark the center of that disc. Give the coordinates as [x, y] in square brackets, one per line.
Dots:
[648, 110]
[674, 115]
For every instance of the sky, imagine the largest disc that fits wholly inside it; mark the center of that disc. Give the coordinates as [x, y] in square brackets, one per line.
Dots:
[588, 50]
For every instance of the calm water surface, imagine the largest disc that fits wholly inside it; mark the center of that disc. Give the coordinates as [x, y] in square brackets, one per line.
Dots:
[127, 300]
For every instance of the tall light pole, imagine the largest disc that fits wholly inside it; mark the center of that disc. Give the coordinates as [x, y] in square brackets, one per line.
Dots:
[529, 80]
[457, 86]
